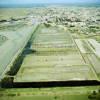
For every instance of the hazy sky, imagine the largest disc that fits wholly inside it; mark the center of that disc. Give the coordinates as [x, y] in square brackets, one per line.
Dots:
[46, 1]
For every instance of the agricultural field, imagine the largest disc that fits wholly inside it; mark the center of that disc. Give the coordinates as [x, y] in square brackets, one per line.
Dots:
[50, 55]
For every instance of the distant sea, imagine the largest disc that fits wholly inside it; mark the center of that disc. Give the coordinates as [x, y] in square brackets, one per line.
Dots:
[46, 5]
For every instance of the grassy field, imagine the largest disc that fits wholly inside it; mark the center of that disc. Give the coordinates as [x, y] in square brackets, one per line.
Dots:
[58, 93]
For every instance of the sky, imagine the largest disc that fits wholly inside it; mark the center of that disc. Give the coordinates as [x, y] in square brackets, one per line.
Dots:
[46, 1]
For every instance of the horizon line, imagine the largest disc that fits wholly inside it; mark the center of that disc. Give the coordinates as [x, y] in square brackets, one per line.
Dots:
[50, 3]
